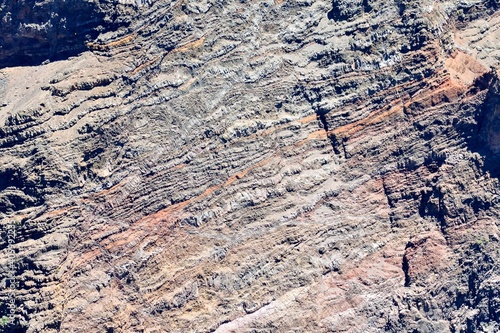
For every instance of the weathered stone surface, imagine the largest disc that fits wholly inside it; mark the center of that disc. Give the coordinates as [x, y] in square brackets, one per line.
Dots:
[254, 166]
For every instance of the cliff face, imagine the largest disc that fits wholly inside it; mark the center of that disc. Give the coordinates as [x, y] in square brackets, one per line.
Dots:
[32, 31]
[252, 166]
[490, 129]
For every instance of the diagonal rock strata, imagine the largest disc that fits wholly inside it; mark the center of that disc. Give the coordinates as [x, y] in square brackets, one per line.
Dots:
[258, 166]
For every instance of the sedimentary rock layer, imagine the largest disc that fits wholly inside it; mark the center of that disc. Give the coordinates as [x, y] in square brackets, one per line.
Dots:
[253, 166]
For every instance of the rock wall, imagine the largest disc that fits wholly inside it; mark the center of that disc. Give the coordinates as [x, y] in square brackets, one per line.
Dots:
[32, 31]
[255, 166]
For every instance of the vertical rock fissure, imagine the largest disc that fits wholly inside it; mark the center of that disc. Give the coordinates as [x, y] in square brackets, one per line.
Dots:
[405, 265]
[331, 137]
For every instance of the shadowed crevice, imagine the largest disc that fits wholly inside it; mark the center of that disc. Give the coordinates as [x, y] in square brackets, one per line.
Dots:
[482, 130]
[32, 32]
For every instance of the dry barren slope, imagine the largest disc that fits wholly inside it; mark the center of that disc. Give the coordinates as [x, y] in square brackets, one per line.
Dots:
[256, 166]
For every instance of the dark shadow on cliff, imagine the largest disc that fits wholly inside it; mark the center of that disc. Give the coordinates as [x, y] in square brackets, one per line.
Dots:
[32, 32]
[343, 10]
[482, 130]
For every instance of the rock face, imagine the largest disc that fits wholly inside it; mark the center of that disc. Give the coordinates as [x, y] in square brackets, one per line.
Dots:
[250, 166]
[35, 31]
[490, 130]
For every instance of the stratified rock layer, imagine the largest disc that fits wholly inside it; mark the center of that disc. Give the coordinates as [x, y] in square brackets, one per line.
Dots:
[257, 166]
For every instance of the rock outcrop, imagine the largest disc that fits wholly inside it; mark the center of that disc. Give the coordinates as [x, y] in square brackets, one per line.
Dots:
[32, 32]
[251, 166]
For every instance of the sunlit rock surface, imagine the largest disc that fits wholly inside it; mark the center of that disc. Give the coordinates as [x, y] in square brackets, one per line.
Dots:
[250, 166]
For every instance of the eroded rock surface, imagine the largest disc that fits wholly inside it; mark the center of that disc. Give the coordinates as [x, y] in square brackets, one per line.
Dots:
[256, 166]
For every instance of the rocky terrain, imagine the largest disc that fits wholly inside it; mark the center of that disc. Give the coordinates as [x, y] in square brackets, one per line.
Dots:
[250, 166]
